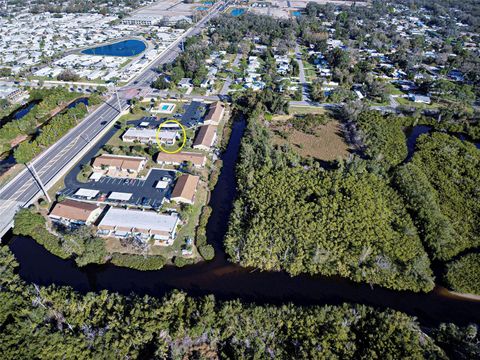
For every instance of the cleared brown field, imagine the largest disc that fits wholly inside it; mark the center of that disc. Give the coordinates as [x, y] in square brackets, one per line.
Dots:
[327, 142]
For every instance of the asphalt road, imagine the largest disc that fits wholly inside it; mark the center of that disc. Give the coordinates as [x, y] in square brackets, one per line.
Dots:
[20, 190]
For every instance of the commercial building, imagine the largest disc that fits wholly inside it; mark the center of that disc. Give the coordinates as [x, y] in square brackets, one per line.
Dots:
[119, 163]
[185, 189]
[149, 136]
[205, 138]
[75, 212]
[144, 20]
[197, 160]
[140, 224]
[215, 113]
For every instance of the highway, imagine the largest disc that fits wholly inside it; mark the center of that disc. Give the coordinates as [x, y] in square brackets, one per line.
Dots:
[19, 191]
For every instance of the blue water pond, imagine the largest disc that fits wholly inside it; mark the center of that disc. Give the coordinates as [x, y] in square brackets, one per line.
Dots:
[121, 48]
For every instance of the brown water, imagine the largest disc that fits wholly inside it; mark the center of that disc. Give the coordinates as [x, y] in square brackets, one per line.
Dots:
[229, 281]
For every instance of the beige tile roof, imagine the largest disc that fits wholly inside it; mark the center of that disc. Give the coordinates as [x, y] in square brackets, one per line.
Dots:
[119, 161]
[185, 187]
[73, 210]
[205, 136]
[215, 112]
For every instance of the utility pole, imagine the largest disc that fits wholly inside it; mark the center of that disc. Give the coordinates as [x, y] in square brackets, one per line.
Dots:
[38, 180]
[118, 99]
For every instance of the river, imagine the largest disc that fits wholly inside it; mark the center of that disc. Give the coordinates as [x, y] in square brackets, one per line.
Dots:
[229, 281]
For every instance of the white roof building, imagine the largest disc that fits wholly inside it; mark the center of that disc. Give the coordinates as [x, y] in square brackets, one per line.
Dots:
[149, 136]
[144, 224]
[86, 193]
[119, 196]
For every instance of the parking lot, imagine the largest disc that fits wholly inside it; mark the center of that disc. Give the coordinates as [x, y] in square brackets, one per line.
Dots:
[193, 114]
[143, 192]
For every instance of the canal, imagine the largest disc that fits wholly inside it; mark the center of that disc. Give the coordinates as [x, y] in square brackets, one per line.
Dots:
[228, 281]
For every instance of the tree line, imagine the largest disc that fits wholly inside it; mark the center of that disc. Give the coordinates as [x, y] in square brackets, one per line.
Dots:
[57, 322]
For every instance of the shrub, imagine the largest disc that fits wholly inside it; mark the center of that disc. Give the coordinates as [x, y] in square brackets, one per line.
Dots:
[201, 239]
[463, 275]
[139, 262]
[29, 223]
[42, 202]
[181, 261]
[207, 252]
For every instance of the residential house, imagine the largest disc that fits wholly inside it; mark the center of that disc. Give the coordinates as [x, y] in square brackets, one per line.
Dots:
[123, 223]
[196, 159]
[119, 163]
[185, 189]
[185, 83]
[75, 212]
[421, 99]
[12, 94]
[215, 113]
[205, 138]
[148, 136]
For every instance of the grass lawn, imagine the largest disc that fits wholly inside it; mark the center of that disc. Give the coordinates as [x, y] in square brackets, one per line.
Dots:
[326, 143]
[135, 116]
[303, 110]
[59, 185]
[393, 90]
[113, 245]
[188, 230]
[407, 102]
[198, 91]
[376, 103]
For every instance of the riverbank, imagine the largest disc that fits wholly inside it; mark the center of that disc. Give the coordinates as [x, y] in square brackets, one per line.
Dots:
[186, 320]
[229, 281]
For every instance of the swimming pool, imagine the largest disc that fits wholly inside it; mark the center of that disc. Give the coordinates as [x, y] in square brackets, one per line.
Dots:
[297, 13]
[237, 12]
[121, 48]
[165, 108]
[202, 8]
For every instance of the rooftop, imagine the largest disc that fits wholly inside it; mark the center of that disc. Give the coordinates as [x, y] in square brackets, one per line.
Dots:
[205, 136]
[185, 187]
[73, 210]
[178, 158]
[142, 220]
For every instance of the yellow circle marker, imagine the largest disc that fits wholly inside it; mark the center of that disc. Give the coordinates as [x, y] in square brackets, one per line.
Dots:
[184, 141]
